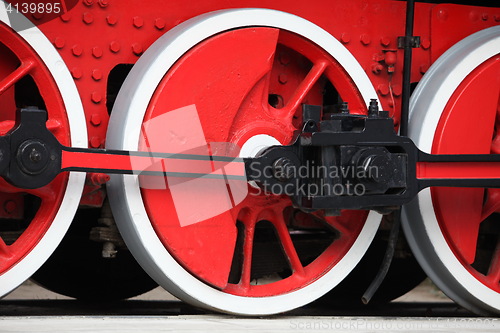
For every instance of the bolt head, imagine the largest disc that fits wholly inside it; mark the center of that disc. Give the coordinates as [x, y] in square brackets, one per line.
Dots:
[10, 206]
[95, 142]
[283, 169]
[32, 157]
[345, 38]
[38, 16]
[365, 39]
[96, 97]
[385, 41]
[88, 18]
[97, 52]
[284, 58]
[111, 19]
[383, 89]
[137, 49]
[114, 46]
[59, 42]
[76, 73]
[283, 78]
[138, 22]
[65, 17]
[160, 23]
[96, 74]
[77, 50]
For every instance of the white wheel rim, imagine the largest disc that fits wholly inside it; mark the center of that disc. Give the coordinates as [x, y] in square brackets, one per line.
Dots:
[12, 278]
[124, 192]
[419, 220]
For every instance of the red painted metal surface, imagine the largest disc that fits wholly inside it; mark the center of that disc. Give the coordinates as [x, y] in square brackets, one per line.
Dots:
[233, 107]
[469, 125]
[458, 170]
[96, 36]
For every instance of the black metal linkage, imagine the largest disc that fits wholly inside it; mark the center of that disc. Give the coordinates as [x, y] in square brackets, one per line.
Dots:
[408, 51]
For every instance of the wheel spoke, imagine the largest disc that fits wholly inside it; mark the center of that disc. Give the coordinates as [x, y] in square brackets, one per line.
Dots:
[16, 75]
[287, 243]
[337, 223]
[249, 222]
[343, 223]
[495, 144]
[46, 193]
[494, 271]
[4, 249]
[492, 204]
[304, 88]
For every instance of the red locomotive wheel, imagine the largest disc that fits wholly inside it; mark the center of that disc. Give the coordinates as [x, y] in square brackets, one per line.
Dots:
[223, 81]
[34, 221]
[454, 232]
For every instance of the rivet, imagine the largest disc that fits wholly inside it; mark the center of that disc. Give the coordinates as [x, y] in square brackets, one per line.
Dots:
[114, 46]
[423, 68]
[103, 3]
[365, 39]
[96, 97]
[59, 42]
[425, 43]
[77, 50]
[95, 142]
[383, 89]
[97, 52]
[96, 74]
[474, 16]
[138, 22]
[88, 18]
[10, 206]
[111, 19]
[397, 89]
[65, 17]
[76, 73]
[95, 119]
[284, 58]
[88, 2]
[283, 78]
[160, 23]
[345, 37]
[497, 18]
[442, 15]
[484, 17]
[385, 41]
[137, 49]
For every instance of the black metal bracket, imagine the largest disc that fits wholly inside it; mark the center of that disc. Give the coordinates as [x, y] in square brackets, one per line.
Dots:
[346, 161]
[405, 42]
[30, 155]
